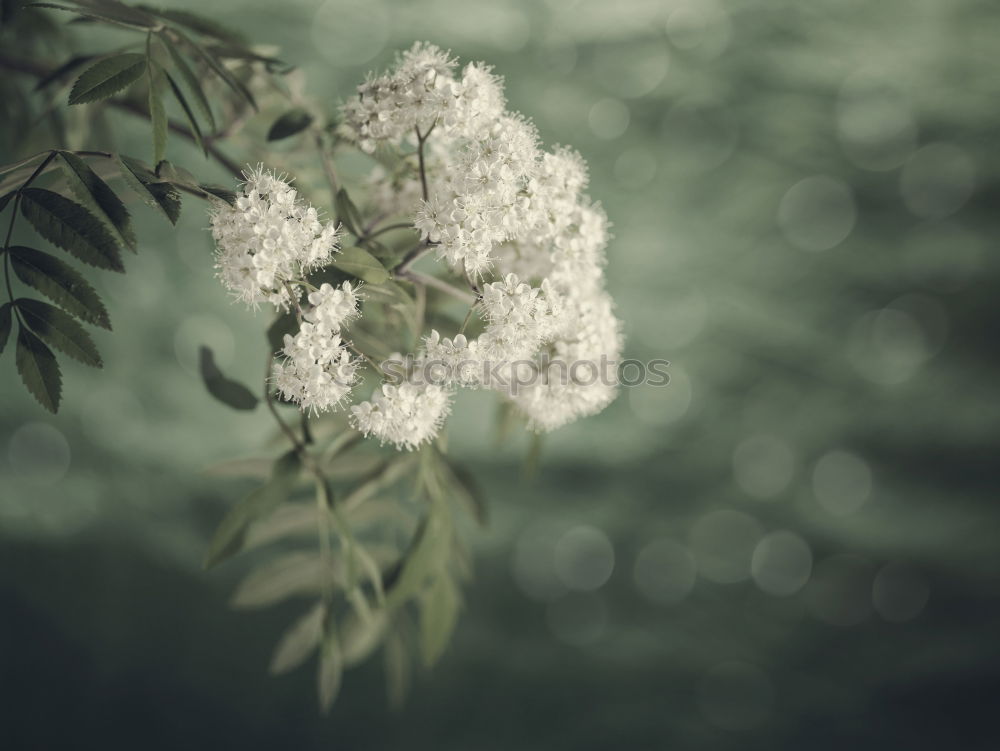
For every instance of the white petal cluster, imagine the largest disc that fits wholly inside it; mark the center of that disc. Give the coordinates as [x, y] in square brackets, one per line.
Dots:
[498, 202]
[406, 416]
[268, 239]
[317, 370]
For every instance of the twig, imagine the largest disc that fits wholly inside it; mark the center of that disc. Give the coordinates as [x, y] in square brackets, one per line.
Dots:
[439, 284]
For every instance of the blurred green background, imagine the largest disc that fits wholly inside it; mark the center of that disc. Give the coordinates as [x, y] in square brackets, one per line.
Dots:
[796, 543]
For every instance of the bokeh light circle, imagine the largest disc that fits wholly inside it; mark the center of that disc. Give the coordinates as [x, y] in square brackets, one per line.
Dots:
[664, 572]
[781, 564]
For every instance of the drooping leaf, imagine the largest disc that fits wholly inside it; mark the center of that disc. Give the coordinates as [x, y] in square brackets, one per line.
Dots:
[228, 538]
[38, 369]
[331, 667]
[192, 121]
[438, 615]
[227, 391]
[157, 112]
[292, 122]
[359, 263]
[348, 213]
[107, 77]
[397, 670]
[155, 193]
[219, 69]
[61, 283]
[299, 641]
[289, 575]
[70, 226]
[190, 80]
[359, 637]
[60, 330]
[95, 194]
[425, 557]
[6, 321]
[469, 490]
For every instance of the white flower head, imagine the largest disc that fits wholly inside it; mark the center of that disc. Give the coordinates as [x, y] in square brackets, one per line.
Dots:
[268, 239]
[406, 416]
[317, 370]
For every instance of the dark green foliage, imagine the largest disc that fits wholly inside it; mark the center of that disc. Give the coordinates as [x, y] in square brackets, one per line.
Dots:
[229, 392]
[292, 122]
[38, 369]
[71, 227]
[107, 77]
[61, 283]
[60, 330]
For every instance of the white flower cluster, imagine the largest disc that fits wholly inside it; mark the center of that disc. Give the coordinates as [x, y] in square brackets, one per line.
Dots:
[405, 416]
[497, 200]
[318, 371]
[268, 239]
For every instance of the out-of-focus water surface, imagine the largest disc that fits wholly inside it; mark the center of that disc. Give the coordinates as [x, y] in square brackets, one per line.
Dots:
[794, 544]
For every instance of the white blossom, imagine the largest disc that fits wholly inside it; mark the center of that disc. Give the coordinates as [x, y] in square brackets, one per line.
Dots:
[333, 306]
[406, 416]
[268, 239]
[317, 371]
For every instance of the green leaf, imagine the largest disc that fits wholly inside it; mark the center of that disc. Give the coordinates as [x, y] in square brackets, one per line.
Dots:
[397, 670]
[115, 13]
[229, 537]
[107, 77]
[95, 195]
[61, 283]
[195, 128]
[60, 330]
[360, 637]
[331, 667]
[438, 615]
[426, 556]
[5, 199]
[155, 193]
[220, 69]
[196, 23]
[5, 324]
[468, 491]
[299, 641]
[292, 122]
[227, 391]
[359, 263]
[38, 369]
[70, 226]
[289, 575]
[190, 80]
[223, 194]
[348, 213]
[157, 112]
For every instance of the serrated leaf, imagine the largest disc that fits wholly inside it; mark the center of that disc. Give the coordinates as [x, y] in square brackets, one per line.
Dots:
[299, 641]
[190, 80]
[6, 321]
[348, 213]
[289, 575]
[229, 536]
[70, 226]
[38, 369]
[107, 77]
[330, 670]
[359, 263]
[154, 193]
[192, 121]
[61, 283]
[117, 14]
[229, 392]
[292, 122]
[438, 615]
[223, 194]
[60, 330]
[95, 194]
[157, 112]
